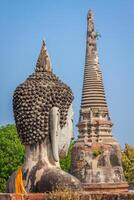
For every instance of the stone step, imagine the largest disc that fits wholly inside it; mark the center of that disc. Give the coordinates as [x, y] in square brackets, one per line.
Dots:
[93, 98]
[95, 106]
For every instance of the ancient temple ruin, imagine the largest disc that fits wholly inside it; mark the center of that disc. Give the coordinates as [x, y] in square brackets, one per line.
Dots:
[96, 156]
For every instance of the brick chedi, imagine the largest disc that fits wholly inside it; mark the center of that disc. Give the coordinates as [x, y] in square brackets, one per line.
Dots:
[96, 155]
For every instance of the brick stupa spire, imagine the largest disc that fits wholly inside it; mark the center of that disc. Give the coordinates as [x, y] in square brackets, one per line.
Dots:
[93, 94]
[96, 155]
[94, 124]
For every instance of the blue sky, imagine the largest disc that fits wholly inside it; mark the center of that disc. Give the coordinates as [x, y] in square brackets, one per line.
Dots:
[23, 25]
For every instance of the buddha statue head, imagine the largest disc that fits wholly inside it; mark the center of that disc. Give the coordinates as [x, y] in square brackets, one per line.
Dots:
[43, 108]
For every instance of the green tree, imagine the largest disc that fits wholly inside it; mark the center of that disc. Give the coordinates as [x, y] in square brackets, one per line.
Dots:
[66, 162]
[11, 153]
[128, 163]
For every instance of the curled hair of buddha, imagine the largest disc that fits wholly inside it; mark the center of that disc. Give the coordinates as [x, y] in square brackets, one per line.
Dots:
[33, 100]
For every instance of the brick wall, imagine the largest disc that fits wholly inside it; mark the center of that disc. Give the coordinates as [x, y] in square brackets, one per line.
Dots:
[69, 196]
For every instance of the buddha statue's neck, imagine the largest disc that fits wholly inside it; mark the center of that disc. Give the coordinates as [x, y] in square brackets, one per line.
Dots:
[39, 153]
[38, 156]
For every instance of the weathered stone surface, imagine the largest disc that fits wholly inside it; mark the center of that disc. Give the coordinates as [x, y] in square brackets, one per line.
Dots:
[99, 163]
[56, 179]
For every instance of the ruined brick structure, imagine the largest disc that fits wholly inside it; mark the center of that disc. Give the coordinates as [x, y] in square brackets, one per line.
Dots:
[96, 156]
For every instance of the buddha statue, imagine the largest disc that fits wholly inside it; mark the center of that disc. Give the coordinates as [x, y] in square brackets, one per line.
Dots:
[43, 114]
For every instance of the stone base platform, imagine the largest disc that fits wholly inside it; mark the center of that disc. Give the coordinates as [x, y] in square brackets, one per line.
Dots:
[69, 196]
[106, 187]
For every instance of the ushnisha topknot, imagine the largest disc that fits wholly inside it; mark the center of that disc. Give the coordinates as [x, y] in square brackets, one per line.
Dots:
[34, 98]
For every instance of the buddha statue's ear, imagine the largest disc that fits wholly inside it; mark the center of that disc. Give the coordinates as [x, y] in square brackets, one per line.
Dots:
[54, 131]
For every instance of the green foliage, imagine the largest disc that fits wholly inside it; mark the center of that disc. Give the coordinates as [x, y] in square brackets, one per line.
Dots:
[97, 35]
[11, 153]
[97, 152]
[66, 162]
[128, 163]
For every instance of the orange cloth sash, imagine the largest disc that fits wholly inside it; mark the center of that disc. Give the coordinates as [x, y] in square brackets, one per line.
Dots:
[19, 186]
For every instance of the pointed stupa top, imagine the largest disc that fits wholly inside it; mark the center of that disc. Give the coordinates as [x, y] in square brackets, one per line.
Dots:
[93, 94]
[43, 62]
[91, 49]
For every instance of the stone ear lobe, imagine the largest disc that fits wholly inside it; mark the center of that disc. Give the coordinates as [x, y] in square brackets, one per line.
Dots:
[54, 131]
